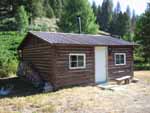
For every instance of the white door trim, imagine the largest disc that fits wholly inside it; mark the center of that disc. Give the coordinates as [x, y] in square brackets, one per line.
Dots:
[101, 62]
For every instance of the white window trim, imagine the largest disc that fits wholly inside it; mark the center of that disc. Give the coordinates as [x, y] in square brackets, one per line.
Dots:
[84, 64]
[124, 54]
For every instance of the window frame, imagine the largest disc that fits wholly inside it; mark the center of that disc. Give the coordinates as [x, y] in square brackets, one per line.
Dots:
[77, 54]
[125, 60]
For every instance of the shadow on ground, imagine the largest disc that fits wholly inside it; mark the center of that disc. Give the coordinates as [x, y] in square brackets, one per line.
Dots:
[20, 87]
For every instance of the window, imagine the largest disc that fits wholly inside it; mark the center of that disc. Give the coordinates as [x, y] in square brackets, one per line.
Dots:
[76, 61]
[120, 59]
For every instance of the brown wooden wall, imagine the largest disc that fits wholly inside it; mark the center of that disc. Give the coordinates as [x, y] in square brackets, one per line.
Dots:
[40, 54]
[121, 70]
[67, 77]
[52, 62]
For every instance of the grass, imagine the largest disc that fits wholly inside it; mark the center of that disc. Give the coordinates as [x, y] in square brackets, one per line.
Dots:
[143, 75]
[80, 99]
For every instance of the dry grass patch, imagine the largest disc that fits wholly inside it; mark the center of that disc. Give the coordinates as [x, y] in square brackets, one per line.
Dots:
[133, 99]
[143, 75]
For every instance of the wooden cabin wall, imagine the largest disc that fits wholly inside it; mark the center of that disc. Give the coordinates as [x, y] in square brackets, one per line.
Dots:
[68, 77]
[120, 70]
[40, 54]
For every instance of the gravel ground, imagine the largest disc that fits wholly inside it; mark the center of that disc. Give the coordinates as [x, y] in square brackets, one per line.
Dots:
[132, 98]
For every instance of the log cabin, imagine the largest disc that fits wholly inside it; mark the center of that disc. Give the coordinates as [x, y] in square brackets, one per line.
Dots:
[67, 59]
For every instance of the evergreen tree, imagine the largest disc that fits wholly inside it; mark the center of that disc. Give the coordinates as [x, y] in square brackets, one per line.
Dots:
[94, 7]
[128, 25]
[48, 9]
[21, 19]
[106, 15]
[98, 19]
[142, 33]
[148, 7]
[118, 8]
[128, 11]
[133, 21]
[57, 6]
[35, 7]
[73, 9]
[120, 25]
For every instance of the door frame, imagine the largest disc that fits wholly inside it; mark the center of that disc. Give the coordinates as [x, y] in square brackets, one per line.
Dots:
[106, 63]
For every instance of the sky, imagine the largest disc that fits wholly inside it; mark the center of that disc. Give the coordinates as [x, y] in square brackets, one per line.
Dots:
[138, 5]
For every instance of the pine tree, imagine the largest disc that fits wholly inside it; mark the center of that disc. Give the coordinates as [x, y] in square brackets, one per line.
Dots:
[106, 14]
[94, 7]
[57, 6]
[118, 8]
[120, 24]
[133, 21]
[48, 9]
[142, 33]
[98, 18]
[21, 19]
[128, 11]
[128, 25]
[148, 7]
[36, 9]
[73, 9]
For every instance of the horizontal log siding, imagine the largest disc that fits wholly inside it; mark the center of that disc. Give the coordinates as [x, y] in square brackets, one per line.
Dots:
[121, 70]
[40, 54]
[67, 77]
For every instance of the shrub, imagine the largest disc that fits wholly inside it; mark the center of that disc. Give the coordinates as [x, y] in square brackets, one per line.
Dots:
[9, 41]
[142, 66]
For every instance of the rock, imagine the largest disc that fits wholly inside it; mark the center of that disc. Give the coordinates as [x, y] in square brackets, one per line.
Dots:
[47, 87]
[134, 80]
[28, 71]
[6, 90]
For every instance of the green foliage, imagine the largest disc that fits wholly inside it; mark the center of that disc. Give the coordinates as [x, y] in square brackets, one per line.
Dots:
[133, 21]
[142, 34]
[142, 66]
[118, 8]
[128, 11]
[94, 7]
[129, 37]
[74, 8]
[35, 8]
[48, 9]
[57, 6]
[8, 24]
[120, 24]
[21, 19]
[9, 41]
[106, 15]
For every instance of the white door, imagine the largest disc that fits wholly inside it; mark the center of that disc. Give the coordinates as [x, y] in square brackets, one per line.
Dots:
[100, 64]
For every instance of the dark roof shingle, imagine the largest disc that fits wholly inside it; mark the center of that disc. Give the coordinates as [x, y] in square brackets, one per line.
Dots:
[82, 39]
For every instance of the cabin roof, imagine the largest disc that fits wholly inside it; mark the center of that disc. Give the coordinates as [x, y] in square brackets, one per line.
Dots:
[79, 39]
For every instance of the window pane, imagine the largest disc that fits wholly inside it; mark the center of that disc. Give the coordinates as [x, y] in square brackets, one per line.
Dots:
[77, 60]
[80, 58]
[117, 59]
[73, 58]
[122, 59]
[80, 64]
[73, 64]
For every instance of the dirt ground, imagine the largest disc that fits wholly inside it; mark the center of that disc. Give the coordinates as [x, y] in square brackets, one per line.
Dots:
[132, 98]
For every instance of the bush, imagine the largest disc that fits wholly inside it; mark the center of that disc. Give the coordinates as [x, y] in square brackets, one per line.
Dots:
[142, 66]
[9, 41]
[8, 24]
